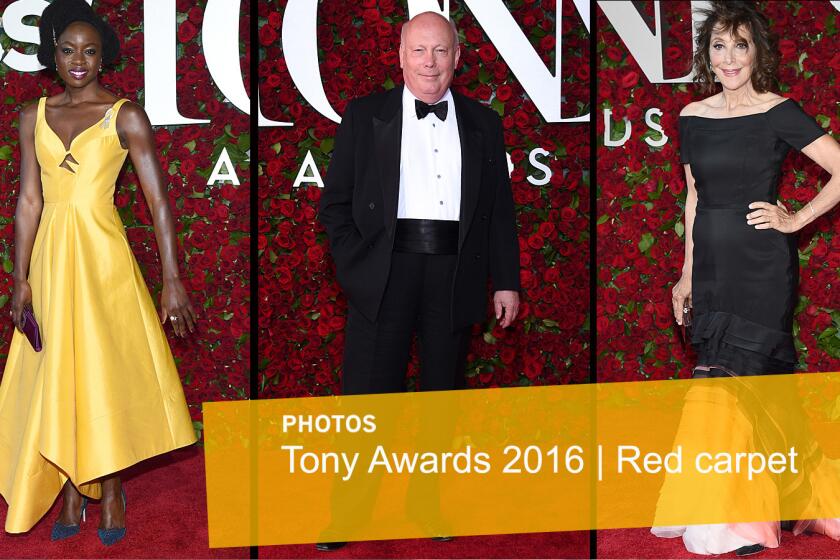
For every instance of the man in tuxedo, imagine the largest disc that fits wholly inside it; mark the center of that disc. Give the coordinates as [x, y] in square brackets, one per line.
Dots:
[418, 208]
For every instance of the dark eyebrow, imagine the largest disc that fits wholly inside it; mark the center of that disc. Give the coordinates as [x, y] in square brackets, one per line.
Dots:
[66, 42]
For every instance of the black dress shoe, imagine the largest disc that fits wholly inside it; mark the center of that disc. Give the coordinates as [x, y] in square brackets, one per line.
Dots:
[329, 546]
[750, 549]
[442, 539]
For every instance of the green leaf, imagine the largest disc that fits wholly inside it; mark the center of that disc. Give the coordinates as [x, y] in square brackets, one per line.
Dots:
[824, 120]
[604, 218]
[679, 227]
[498, 106]
[327, 145]
[830, 24]
[5, 152]
[827, 333]
[199, 428]
[646, 242]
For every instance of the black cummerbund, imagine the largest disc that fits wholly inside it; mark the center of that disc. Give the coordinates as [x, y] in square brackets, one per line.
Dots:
[429, 237]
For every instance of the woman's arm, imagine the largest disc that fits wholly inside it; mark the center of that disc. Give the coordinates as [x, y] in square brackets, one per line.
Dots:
[681, 293]
[826, 153]
[27, 214]
[136, 134]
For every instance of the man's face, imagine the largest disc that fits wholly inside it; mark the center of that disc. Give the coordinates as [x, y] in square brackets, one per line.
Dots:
[428, 56]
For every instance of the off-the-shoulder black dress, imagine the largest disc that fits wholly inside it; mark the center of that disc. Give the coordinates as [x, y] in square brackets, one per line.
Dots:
[744, 280]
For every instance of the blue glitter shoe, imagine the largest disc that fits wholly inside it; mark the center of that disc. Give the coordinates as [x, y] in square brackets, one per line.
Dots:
[109, 537]
[61, 531]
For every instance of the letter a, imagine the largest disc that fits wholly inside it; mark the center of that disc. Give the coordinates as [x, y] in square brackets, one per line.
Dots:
[229, 174]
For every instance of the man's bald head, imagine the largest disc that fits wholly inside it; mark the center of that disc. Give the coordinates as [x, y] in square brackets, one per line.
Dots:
[430, 16]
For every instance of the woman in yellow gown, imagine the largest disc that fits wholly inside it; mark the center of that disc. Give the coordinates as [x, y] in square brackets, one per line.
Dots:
[104, 392]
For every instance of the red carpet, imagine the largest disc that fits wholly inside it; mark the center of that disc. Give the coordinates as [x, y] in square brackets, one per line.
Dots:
[536, 545]
[639, 543]
[166, 518]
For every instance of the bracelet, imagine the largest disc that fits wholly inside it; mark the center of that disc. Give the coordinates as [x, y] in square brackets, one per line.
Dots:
[813, 213]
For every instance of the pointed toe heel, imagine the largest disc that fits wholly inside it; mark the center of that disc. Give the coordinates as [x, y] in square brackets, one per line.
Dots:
[61, 531]
[749, 550]
[110, 537]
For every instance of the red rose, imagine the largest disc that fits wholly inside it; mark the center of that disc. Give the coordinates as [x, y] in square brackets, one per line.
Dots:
[787, 48]
[268, 36]
[504, 92]
[629, 79]
[473, 35]
[187, 31]
[614, 54]
[483, 92]
[487, 52]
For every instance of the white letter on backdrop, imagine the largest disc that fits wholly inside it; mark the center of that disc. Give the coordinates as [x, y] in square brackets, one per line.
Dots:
[229, 173]
[300, 47]
[159, 42]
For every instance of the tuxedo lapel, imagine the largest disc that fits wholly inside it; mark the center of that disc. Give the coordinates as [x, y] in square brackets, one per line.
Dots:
[387, 138]
[470, 138]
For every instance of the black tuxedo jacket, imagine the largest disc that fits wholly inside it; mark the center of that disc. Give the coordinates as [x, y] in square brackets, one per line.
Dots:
[359, 204]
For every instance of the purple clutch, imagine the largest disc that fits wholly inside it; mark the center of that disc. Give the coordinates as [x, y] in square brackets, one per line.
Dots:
[31, 330]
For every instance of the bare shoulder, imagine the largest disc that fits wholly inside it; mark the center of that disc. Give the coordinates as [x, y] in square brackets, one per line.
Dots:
[54, 100]
[29, 113]
[690, 110]
[131, 112]
[770, 100]
[698, 108]
[132, 119]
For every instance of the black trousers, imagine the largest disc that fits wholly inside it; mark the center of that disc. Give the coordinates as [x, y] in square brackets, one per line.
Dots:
[417, 299]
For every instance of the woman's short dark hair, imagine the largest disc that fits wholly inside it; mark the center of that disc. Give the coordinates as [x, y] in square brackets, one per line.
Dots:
[732, 17]
[59, 15]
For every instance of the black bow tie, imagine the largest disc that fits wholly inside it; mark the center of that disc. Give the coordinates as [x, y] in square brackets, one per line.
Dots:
[423, 109]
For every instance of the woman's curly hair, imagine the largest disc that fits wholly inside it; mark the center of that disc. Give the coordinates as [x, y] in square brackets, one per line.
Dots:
[733, 17]
[59, 15]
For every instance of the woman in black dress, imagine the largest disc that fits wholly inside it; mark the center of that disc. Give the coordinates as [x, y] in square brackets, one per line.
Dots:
[741, 266]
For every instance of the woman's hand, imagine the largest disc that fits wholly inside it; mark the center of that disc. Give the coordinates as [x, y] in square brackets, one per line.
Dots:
[175, 305]
[769, 216]
[681, 296]
[21, 298]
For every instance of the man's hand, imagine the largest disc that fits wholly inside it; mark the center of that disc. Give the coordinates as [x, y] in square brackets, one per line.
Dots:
[506, 302]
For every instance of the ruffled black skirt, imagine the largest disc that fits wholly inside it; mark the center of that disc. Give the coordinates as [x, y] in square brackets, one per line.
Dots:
[744, 288]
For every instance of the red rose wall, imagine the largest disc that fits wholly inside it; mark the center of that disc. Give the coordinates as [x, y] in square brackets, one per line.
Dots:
[213, 223]
[302, 310]
[641, 194]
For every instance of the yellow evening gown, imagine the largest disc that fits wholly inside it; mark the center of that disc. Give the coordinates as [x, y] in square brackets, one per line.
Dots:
[104, 392]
